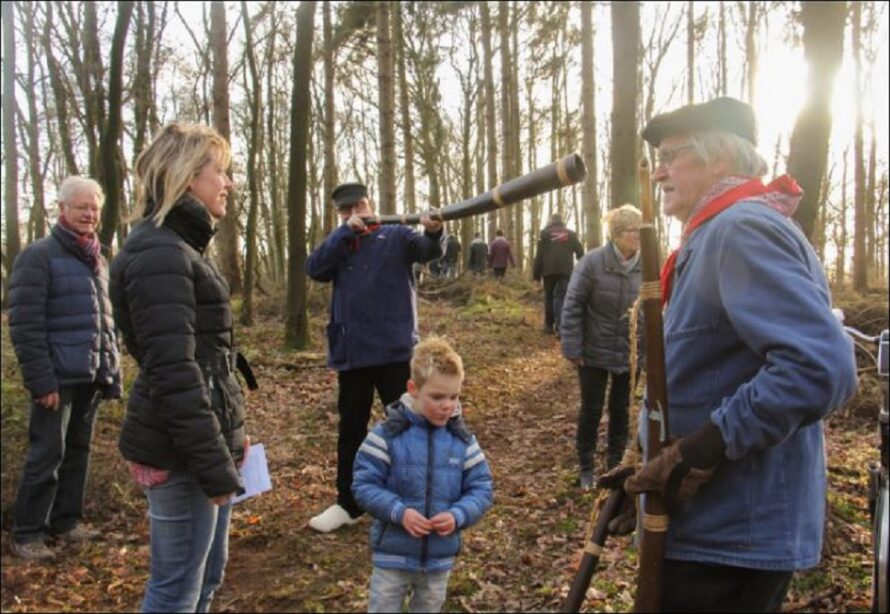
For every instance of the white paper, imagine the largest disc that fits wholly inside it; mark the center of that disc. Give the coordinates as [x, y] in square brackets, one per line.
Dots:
[255, 474]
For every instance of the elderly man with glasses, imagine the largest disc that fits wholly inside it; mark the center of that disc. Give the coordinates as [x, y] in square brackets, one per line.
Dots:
[755, 361]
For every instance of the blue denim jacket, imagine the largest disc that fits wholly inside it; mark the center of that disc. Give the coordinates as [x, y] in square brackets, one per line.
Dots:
[407, 462]
[751, 345]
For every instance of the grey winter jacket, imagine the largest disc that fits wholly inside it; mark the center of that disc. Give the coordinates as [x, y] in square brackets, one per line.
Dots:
[595, 314]
[60, 318]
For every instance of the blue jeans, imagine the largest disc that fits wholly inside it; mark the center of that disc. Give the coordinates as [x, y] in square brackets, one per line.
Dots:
[50, 495]
[189, 546]
[390, 586]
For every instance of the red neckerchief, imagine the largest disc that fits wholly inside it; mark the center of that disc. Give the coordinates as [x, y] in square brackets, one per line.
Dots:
[715, 207]
[87, 243]
[357, 241]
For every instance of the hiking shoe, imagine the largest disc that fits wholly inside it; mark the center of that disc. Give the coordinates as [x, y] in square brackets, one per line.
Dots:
[585, 480]
[332, 519]
[33, 551]
[80, 533]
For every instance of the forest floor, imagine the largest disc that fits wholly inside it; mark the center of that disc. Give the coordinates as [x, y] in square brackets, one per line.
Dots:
[521, 399]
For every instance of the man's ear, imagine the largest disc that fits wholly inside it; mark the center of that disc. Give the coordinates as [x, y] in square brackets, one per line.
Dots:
[411, 387]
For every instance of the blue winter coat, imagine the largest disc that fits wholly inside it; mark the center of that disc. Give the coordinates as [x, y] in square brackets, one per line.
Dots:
[373, 305]
[751, 345]
[60, 318]
[407, 462]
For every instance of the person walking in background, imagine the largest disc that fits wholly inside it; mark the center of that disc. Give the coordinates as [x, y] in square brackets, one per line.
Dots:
[62, 330]
[452, 257]
[755, 361]
[553, 265]
[500, 254]
[595, 331]
[423, 477]
[183, 435]
[477, 261]
[373, 324]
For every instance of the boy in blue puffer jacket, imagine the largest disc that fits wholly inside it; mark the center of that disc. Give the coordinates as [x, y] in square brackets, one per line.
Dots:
[423, 477]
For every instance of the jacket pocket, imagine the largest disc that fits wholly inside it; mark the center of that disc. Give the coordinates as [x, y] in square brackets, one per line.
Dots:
[337, 342]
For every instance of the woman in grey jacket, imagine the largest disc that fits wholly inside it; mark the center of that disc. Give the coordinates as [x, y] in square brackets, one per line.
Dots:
[594, 331]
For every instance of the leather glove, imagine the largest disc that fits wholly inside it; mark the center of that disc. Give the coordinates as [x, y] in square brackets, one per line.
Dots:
[625, 521]
[681, 468]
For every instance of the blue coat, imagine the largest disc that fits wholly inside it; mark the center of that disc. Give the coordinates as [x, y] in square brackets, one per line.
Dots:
[60, 318]
[751, 345]
[373, 305]
[407, 462]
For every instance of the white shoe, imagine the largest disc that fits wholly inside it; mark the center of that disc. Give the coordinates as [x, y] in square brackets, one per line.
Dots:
[332, 519]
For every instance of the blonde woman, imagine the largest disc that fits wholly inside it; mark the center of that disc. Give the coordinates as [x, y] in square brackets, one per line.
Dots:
[594, 330]
[183, 435]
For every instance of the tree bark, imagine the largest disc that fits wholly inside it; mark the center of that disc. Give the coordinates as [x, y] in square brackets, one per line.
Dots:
[405, 111]
[588, 124]
[296, 328]
[10, 151]
[330, 163]
[386, 101]
[37, 220]
[690, 52]
[253, 187]
[823, 39]
[111, 132]
[623, 149]
[506, 220]
[227, 240]
[860, 263]
[490, 126]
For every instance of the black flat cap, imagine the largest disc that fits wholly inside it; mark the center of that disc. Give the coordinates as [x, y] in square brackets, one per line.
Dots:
[723, 114]
[348, 194]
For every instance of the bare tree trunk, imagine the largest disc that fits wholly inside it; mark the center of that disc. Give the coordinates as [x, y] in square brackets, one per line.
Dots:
[753, 9]
[277, 213]
[506, 220]
[722, 39]
[405, 111]
[823, 38]
[227, 239]
[330, 163]
[10, 153]
[690, 52]
[253, 187]
[93, 90]
[871, 220]
[60, 96]
[516, 156]
[588, 124]
[860, 264]
[296, 328]
[111, 132]
[841, 242]
[625, 19]
[37, 221]
[386, 98]
[490, 126]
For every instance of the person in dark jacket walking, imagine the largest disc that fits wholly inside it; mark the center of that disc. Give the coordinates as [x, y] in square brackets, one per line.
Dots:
[419, 511]
[595, 319]
[452, 257]
[183, 435]
[62, 330]
[478, 258]
[373, 323]
[553, 265]
[500, 254]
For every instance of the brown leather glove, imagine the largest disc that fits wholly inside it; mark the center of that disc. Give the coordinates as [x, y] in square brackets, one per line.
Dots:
[626, 520]
[681, 468]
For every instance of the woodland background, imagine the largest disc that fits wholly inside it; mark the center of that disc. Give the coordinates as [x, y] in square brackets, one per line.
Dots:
[429, 103]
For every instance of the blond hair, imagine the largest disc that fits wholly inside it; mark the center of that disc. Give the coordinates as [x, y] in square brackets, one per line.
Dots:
[168, 165]
[434, 356]
[621, 218]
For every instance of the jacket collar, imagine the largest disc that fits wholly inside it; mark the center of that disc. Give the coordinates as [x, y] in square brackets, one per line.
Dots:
[190, 219]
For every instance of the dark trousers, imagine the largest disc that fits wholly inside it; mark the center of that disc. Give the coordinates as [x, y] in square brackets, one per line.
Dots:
[555, 287]
[354, 401]
[50, 495]
[593, 391]
[499, 271]
[696, 587]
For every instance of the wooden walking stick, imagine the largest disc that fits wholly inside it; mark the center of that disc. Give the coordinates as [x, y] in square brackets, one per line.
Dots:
[653, 536]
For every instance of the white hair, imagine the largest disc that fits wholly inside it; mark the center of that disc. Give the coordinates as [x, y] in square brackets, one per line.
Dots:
[740, 153]
[75, 185]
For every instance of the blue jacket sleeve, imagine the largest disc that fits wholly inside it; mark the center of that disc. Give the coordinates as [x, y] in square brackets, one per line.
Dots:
[476, 487]
[369, 474]
[425, 246]
[322, 262]
[28, 295]
[776, 299]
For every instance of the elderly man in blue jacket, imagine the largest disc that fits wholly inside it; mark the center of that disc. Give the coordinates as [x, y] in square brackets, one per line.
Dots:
[755, 361]
[373, 325]
[62, 329]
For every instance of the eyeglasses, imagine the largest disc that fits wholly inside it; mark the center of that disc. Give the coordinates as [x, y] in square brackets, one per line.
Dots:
[633, 231]
[666, 157]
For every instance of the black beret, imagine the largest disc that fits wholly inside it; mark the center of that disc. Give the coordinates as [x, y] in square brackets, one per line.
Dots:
[348, 194]
[723, 114]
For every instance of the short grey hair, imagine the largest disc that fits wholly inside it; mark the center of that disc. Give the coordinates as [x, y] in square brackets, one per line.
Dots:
[75, 185]
[742, 156]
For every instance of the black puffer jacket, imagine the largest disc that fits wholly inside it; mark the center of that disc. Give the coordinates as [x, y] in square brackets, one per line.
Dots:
[186, 410]
[556, 247]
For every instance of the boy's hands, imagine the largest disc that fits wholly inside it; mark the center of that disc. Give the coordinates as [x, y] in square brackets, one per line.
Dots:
[416, 524]
[444, 523]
